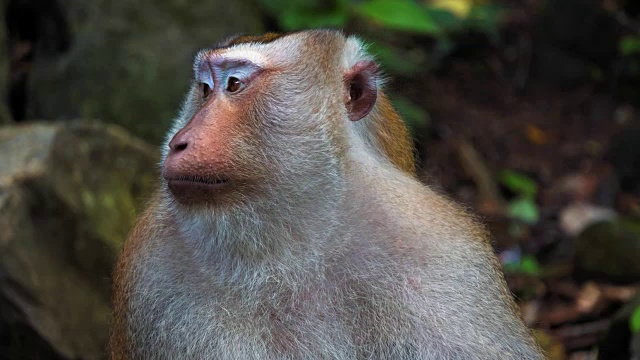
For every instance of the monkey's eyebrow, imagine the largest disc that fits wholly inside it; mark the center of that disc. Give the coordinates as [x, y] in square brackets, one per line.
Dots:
[210, 65]
[251, 55]
[231, 63]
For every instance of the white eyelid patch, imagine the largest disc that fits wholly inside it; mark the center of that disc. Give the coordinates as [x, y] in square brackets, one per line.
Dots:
[241, 54]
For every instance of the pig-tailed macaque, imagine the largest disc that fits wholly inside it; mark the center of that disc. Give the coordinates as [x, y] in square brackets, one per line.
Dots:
[289, 224]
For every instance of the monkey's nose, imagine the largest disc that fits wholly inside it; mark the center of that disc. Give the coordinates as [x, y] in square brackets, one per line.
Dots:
[176, 161]
[178, 144]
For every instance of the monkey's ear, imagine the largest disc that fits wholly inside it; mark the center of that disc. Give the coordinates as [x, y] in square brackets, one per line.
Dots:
[362, 90]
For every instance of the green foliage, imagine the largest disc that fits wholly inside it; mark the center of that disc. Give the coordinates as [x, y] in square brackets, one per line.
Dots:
[298, 18]
[300, 14]
[629, 45]
[634, 321]
[282, 6]
[418, 17]
[523, 207]
[484, 18]
[445, 19]
[396, 60]
[400, 15]
[426, 19]
[518, 183]
[526, 265]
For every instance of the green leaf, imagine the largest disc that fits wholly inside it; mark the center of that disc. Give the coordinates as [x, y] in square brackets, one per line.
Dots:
[404, 15]
[634, 321]
[299, 14]
[524, 209]
[629, 45]
[525, 265]
[529, 265]
[276, 6]
[444, 19]
[484, 18]
[397, 60]
[297, 19]
[518, 183]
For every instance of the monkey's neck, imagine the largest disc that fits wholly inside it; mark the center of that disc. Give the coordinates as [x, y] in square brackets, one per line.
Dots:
[265, 240]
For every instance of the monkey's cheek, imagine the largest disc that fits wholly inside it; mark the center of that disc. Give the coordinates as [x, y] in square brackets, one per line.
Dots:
[193, 193]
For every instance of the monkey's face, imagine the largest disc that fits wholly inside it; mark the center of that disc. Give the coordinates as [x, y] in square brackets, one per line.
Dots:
[213, 154]
[260, 121]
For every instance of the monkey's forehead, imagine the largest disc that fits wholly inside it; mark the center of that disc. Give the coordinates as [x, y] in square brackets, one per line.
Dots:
[263, 49]
[273, 48]
[255, 39]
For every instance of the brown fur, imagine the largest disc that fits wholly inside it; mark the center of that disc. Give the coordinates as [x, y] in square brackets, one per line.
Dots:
[393, 137]
[259, 39]
[143, 229]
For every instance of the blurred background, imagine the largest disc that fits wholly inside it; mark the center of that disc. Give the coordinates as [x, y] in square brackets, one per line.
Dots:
[525, 111]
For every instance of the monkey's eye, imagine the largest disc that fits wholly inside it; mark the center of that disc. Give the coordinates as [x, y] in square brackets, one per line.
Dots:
[234, 84]
[206, 90]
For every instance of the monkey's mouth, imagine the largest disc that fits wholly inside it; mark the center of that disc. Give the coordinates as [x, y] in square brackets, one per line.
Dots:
[191, 189]
[199, 180]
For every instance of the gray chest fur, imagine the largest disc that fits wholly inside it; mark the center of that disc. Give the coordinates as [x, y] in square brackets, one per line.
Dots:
[202, 319]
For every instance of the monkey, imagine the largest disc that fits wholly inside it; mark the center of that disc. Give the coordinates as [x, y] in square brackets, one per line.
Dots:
[289, 224]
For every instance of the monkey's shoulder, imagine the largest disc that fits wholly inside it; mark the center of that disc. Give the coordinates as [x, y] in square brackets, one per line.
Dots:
[398, 206]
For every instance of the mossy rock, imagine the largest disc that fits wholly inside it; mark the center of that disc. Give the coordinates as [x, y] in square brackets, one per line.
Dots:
[610, 249]
[69, 193]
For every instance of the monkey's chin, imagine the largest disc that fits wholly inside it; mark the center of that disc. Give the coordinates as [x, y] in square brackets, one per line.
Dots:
[191, 192]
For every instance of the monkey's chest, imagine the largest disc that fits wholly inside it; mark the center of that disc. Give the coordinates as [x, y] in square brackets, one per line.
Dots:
[250, 325]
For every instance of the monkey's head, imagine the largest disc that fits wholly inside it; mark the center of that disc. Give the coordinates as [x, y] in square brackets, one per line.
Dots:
[267, 116]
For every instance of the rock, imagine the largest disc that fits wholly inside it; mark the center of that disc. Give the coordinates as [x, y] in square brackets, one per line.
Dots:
[577, 216]
[69, 192]
[130, 63]
[610, 249]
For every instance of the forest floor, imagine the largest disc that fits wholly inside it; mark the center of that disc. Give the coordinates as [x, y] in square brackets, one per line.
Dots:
[568, 143]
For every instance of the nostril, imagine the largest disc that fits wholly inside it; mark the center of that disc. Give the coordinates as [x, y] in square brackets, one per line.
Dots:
[180, 141]
[179, 146]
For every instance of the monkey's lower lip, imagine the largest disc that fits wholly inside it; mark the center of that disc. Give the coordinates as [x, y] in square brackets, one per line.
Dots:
[195, 190]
